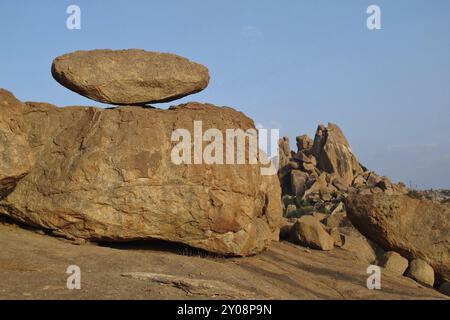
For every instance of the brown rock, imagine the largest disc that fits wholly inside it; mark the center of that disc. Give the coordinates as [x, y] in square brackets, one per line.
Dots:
[357, 244]
[284, 151]
[417, 229]
[337, 237]
[16, 158]
[309, 232]
[304, 142]
[129, 77]
[338, 219]
[107, 175]
[334, 155]
[359, 181]
[394, 262]
[422, 272]
[298, 180]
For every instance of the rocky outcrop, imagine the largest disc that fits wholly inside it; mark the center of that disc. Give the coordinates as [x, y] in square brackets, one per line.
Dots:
[417, 229]
[322, 172]
[16, 158]
[129, 77]
[107, 175]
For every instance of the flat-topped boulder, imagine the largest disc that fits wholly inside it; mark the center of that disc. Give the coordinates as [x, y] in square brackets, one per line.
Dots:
[129, 77]
[109, 175]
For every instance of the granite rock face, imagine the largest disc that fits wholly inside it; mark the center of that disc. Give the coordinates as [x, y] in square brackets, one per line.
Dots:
[107, 175]
[129, 77]
[16, 158]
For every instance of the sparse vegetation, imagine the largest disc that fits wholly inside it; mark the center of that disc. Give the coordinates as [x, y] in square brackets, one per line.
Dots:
[415, 194]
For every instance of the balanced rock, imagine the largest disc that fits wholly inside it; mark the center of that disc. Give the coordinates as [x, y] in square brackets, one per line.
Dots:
[417, 229]
[334, 155]
[108, 175]
[129, 77]
[394, 262]
[422, 272]
[309, 232]
[16, 158]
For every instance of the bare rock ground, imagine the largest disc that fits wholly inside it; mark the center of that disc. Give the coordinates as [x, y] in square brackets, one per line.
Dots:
[33, 266]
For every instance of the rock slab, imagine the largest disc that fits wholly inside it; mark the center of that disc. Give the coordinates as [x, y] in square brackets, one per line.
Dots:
[129, 77]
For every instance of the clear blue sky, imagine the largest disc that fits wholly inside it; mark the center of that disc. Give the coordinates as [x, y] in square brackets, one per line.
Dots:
[287, 64]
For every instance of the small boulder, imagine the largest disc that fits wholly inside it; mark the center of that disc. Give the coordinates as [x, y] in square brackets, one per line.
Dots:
[357, 244]
[309, 232]
[394, 262]
[422, 272]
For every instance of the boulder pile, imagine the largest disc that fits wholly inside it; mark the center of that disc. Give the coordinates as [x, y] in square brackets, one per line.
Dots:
[96, 174]
[379, 221]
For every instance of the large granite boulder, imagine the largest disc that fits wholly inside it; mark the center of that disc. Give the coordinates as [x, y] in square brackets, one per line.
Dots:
[16, 158]
[334, 155]
[108, 175]
[417, 229]
[129, 77]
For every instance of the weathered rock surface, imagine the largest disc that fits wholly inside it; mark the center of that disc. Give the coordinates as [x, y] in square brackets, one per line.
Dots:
[16, 158]
[422, 272]
[129, 77]
[107, 175]
[394, 262]
[417, 229]
[309, 232]
[334, 154]
[33, 266]
[357, 244]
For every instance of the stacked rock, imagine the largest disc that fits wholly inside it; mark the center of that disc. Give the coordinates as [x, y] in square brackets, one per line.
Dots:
[94, 174]
[129, 77]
